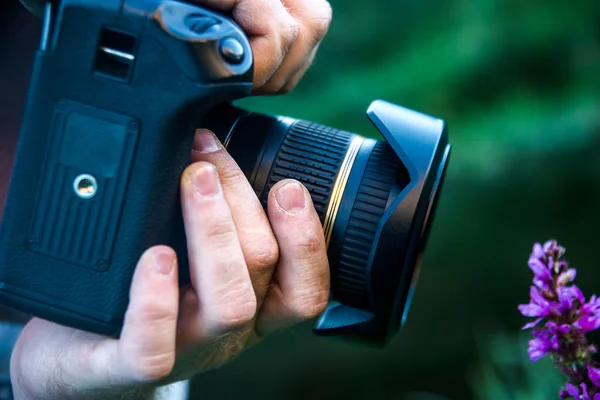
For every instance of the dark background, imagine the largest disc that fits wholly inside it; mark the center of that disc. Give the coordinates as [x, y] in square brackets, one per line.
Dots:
[519, 83]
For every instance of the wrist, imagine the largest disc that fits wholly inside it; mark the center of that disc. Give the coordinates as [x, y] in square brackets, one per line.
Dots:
[28, 387]
[21, 392]
[175, 391]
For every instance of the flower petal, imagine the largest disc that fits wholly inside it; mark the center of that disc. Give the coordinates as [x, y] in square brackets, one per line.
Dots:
[533, 310]
[572, 390]
[540, 270]
[587, 323]
[594, 375]
[536, 297]
[566, 297]
[549, 245]
[592, 306]
[531, 324]
[578, 294]
[537, 349]
[542, 284]
[536, 354]
[563, 329]
[552, 247]
[567, 277]
[537, 251]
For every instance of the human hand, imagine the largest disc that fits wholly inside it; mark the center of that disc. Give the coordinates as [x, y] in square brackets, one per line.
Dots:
[251, 275]
[284, 35]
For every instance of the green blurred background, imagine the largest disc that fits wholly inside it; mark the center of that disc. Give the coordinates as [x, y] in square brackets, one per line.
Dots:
[519, 83]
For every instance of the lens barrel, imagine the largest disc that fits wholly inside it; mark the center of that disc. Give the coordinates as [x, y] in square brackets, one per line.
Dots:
[376, 201]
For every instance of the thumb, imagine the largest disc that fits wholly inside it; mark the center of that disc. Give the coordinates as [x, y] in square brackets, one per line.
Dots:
[147, 343]
[52, 361]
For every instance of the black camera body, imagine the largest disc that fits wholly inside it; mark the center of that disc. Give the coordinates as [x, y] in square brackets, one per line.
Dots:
[118, 89]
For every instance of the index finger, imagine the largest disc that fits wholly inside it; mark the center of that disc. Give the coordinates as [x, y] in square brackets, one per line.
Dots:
[257, 239]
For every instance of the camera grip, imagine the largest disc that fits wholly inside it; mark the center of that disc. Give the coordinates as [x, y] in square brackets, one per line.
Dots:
[96, 176]
[80, 240]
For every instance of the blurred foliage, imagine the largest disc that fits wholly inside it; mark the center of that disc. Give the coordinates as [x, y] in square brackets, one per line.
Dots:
[507, 374]
[519, 83]
[511, 77]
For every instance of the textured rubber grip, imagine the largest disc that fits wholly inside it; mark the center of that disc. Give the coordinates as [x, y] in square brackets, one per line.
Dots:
[368, 209]
[311, 154]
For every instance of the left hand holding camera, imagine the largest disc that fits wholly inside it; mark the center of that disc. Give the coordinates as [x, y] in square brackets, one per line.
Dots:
[251, 274]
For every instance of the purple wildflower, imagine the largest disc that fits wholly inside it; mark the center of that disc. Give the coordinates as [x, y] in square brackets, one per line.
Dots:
[545, 341]
[562, 317]
[594, 375]
[538, 307]
[579, 393]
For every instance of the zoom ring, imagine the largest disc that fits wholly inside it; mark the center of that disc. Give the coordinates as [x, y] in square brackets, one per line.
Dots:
[370, 204]
[311, 154]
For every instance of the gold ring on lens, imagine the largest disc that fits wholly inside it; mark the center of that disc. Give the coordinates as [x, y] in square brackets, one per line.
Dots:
[340, 186]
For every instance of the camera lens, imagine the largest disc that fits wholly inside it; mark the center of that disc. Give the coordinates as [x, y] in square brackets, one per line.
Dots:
[375, 198]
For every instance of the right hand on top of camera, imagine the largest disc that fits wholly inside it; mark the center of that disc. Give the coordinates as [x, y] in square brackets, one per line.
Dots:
[252, 273]
[284, 35]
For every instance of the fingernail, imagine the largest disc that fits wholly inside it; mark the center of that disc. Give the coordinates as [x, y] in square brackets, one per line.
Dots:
[163, 263]
[206, 142]
[291, 198]
[206, 180]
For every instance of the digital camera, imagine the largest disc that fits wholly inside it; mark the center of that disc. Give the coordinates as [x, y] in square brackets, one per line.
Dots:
[117, 91]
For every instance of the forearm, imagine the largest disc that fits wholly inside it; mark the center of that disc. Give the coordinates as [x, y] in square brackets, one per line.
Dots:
[22, 392]
[175, 391]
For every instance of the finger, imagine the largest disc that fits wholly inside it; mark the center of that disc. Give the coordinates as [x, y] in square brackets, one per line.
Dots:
[313, 18]
[270, 29]
[301, 290]
[256, 237]
[225, 299]
[70, 362]
[147, 343]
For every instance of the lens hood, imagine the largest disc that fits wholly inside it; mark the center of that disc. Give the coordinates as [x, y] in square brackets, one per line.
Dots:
[421, 144]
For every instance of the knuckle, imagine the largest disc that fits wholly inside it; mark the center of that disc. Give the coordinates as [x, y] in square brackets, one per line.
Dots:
[289, 31]
[237, 308]
[320, 19]
[312, 242]
[154, 368]
[152, 315]
[219, 232]
[262, 253]
[229, 173]
[310, 305]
